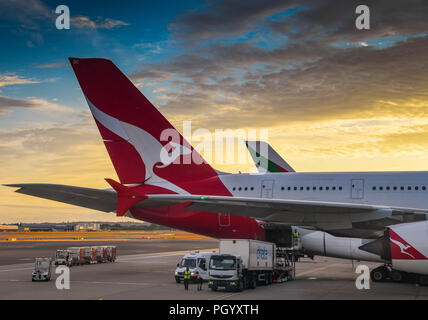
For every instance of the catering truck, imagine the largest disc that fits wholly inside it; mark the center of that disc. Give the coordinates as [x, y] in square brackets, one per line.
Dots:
[245, 263]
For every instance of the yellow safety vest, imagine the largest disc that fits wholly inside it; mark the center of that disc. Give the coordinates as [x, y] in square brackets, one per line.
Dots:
[187, 274]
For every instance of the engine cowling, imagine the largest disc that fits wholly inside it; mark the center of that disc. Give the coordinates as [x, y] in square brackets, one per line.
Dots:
[405, 246]
[324, 244]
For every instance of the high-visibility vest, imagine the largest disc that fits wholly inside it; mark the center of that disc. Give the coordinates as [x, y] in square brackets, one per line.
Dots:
[187, 274]
[296, 234]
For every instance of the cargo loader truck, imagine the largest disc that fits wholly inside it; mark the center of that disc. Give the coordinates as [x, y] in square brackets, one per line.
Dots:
[242, 264]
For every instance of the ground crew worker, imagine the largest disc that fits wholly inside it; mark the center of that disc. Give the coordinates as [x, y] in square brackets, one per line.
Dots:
[199, 279]
[296, 233]
[186, 278]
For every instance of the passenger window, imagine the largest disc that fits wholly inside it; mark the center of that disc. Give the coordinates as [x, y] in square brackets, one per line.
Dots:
[340, 188]
[374, 188]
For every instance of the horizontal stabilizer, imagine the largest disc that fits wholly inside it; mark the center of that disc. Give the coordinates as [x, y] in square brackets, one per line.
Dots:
[126, 197]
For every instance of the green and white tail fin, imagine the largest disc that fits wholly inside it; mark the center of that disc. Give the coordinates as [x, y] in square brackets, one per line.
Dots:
[266, 158]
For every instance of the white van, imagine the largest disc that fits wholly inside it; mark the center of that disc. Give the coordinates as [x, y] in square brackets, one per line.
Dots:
[197, 262]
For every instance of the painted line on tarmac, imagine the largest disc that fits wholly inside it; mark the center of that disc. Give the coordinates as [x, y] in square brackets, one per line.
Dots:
[115, 283]
[8, 270]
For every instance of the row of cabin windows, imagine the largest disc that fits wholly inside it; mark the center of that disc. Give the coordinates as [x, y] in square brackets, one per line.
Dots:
[327, 188]
[293, 188]
[416, 188]
[243, 188]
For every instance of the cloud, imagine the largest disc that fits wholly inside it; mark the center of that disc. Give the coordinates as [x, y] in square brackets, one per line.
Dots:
[223, 17]
[9, 79]
[51, 65]
[86, 22]
[7, 104]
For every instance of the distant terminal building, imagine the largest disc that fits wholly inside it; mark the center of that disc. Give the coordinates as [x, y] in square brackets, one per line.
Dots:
[6, 228]
[87, 227]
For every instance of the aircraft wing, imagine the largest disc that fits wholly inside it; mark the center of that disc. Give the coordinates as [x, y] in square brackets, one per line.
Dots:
[97, 199]
[323, 215]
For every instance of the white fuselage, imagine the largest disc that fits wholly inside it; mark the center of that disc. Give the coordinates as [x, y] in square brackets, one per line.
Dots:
[399, 189]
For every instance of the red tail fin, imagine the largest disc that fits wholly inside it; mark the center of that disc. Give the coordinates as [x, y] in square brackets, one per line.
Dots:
[141, 143]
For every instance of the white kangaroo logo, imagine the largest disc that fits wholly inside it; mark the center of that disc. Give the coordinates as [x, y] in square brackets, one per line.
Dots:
[146, 145]
[403, 247]
[177, 151]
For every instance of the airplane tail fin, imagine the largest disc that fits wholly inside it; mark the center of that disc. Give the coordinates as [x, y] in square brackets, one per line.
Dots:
[266, 158]
[142, 144]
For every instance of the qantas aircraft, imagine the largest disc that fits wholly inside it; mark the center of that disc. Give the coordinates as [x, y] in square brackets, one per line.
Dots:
[164, 180]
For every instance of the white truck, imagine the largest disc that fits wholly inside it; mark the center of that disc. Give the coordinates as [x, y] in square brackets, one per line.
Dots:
[244, 263]
[42, 269]
[63, 257]
[198, 264]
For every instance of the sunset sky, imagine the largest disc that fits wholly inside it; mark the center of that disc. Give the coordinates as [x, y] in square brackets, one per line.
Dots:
[333, 98]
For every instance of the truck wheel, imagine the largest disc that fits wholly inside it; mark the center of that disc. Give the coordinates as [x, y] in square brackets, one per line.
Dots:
[213, 288]
[379, 274]
[177, 280]
[397, 276]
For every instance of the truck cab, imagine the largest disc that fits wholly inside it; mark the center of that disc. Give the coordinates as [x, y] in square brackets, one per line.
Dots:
[226, 270]
[198, 265]
[62, 257]
[42, 269]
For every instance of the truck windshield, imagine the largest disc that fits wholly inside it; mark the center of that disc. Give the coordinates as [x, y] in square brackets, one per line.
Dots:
[42, 265]
[60, 255]
[222, 263]
[191, 263]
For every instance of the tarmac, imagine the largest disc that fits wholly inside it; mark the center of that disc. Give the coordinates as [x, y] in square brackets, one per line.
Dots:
[144, 270]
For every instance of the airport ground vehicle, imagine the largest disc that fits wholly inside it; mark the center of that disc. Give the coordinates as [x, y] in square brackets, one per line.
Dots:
[42, 269]
[111, 253]
[77, 255]
[102, 254]
[245, 263]
[198, 265]
[87, 255]
[63, 257]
